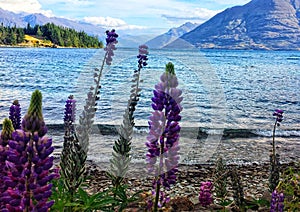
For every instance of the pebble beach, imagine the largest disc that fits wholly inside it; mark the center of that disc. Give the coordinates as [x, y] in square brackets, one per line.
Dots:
[250, 159]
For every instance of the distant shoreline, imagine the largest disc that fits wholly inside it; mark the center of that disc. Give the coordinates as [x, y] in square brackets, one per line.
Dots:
[188, 132]
[44, 47]
[204, 49]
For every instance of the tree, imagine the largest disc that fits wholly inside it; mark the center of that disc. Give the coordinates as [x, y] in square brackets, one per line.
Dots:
[38, 33]
[20, 35]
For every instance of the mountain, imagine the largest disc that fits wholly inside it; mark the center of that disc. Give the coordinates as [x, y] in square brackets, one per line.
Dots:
[133, 41]
[168, 37]
[21, 20]
[10, 19]
[259, 24]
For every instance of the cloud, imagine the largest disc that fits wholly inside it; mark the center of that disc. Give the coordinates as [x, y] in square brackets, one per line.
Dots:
[72, 2]
[125, 14]
[109, 22]
[28, 6]
[80, 2]
[105, 21]
[231, 2]
[196, 15]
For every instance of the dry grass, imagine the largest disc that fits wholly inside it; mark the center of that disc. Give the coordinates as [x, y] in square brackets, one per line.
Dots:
[31, 41]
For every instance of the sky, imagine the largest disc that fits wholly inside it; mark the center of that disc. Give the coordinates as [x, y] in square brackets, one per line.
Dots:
[152, 15]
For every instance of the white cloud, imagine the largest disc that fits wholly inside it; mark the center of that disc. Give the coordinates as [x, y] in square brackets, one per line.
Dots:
[231, 2]
[105, 21]
[79, 2]
[196, 15]
[110, 22]
[70, 2]
[125, 14]
[28, 6]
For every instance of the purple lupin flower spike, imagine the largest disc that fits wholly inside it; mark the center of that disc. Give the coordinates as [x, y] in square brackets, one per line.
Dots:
[274, 157]
[86, 119]
[143, 52]
[29, 161]
[15, 114]
[72, 159]
[69, 118]
[69, 110]
[205, 195]
[277, 202]
[111, 41]
[121, 156]
[163, 137]
[29, 174]
[5, 136]
[279, 117]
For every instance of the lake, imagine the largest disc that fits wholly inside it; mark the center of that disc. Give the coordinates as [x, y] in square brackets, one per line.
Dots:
[222, 89]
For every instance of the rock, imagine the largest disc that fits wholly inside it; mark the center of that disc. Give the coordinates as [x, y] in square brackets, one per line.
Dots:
[181, 204]
[187, 187]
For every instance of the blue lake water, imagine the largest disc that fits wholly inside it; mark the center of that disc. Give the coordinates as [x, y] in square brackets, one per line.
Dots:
[221, 88]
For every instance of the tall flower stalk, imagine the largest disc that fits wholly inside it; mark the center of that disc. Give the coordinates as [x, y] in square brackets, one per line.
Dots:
[6, 133]
[71, 155]
[86, 119]
[274, 157]
[163, 137]
[121, 149]
[88, 114]
[29, 161]
[220, 178]
[238, 191]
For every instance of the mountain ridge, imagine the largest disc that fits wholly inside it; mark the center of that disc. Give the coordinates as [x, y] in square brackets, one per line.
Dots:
[267, 24]
[168, 37]
[21, 20]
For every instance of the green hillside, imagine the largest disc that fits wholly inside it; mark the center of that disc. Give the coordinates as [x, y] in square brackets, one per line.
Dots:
[48, 35]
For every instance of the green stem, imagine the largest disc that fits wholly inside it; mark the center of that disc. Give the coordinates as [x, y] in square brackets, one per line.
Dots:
[273, 143]
[161, 157]
[100, 74]
[158, 179]
[156, 196]
[136, 90]
[27, 183]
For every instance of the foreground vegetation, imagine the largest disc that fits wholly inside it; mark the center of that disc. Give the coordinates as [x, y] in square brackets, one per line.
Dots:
[48, 35]
[30, 182]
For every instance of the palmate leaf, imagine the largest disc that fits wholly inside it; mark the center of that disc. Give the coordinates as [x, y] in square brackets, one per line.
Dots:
[86, 202]
[122, 198]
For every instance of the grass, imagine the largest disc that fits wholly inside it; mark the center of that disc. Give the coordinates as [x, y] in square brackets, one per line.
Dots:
[31, 41]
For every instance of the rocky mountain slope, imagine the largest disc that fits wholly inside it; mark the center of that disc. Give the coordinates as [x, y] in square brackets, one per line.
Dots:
[260, 24]
[168, 37]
